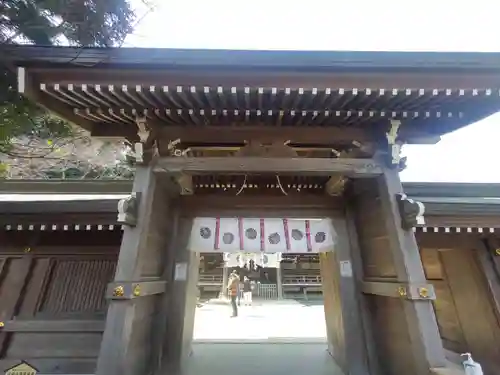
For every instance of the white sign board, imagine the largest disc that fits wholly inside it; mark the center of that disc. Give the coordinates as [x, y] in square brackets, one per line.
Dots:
[180, 271]
[345, 268]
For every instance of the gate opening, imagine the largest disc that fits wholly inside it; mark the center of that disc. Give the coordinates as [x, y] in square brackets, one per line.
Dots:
[275, 266]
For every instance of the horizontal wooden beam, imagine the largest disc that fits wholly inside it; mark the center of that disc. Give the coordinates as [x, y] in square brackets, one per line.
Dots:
[256, 165]
[93, 249]
[416, 190]
[305, 206]
[239, 76]
[53, 326]
[399, 290]
[137, 289]
[218, 134]
[87, 187]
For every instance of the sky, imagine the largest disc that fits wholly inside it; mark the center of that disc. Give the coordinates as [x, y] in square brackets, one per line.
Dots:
[467, 155]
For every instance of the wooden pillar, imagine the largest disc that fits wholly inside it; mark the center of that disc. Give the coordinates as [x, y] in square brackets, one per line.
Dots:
[130, 345]
[423, 349]
[182, 301]
[346, 342]
[279, 281]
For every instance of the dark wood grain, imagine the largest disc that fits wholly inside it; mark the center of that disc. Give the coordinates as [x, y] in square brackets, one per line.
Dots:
[425, 345]
[50, 326]
[128, 342]
[249, 165]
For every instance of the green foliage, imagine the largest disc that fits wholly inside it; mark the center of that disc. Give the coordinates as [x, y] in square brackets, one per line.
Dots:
[48, 22]
[88, 23]
[95, 172]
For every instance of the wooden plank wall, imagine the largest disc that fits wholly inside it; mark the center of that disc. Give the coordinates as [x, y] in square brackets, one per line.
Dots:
[52, 288]
[465, 306]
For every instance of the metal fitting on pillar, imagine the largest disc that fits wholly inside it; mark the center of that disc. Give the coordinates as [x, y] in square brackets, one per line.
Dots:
[118, 291]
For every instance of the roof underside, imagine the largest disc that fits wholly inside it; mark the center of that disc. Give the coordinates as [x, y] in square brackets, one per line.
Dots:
[104, 90]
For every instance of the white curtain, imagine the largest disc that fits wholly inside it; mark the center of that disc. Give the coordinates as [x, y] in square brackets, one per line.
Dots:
[262, 236]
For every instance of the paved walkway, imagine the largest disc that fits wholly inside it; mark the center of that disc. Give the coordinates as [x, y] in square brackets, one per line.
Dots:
[278, 338]
[264, 322]
[261, 359]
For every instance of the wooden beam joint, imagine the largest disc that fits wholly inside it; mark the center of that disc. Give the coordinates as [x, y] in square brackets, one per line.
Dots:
[410, 291]
[127, 290]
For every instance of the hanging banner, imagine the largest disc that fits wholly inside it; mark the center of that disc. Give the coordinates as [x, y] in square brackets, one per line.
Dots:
[269, 235]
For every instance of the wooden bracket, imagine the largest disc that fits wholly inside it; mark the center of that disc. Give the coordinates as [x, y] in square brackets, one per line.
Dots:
[335, 186]
[128, 209]
[411, 291]
[411, 212]
[147, 148]
[395, 145]
[174, 151]
[185, 183]
[134, 289]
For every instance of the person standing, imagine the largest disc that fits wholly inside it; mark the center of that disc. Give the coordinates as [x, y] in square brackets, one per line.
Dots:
[247, 291]
[233, 287]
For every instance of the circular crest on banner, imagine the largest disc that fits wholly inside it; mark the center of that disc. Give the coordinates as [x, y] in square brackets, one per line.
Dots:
[251, 233]
[274, 238]
[320, 237]
[205, 232]
[297, 235]
[228, 238]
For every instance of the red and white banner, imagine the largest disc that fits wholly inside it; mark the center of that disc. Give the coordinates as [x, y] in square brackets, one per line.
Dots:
[254, 235]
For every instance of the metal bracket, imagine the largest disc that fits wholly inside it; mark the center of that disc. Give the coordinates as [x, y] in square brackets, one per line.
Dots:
[410, 291]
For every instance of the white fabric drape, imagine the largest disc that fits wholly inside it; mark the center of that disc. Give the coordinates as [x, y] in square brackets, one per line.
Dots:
[267, 235]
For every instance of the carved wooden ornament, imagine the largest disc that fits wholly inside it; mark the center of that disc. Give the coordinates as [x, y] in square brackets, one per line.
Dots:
[412, 212]
[127, 210]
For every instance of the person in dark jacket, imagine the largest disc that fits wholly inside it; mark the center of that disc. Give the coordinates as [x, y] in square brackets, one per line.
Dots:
[247, 291]
[233, 287]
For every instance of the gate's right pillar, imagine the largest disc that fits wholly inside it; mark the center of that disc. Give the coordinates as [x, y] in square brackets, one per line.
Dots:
[397, 298]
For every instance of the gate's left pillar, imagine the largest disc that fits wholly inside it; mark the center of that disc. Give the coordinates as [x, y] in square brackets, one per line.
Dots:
[130, 344]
